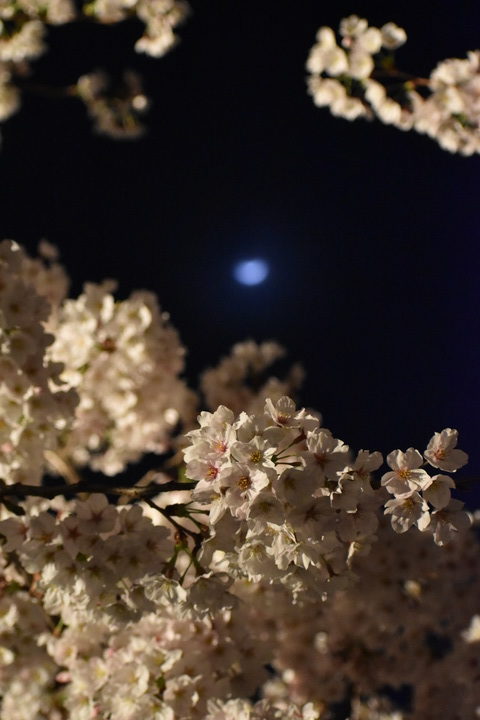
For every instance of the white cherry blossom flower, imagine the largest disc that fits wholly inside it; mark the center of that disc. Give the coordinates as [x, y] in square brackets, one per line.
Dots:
[327, 453]
[442, 451]
[284, 413]
[207, 470]
[354, 525]
[449, 520]
[256, 454]
[407, 510]
[393, 36]
[294, 483]
[366, 463]
[265, 509]
[241, 487]
[96, 515]
[15, 531]
[437, 492]
[313, 517]
[353, 26]
[407, 474]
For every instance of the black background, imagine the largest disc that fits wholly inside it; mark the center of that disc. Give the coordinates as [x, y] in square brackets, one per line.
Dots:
[372, 234]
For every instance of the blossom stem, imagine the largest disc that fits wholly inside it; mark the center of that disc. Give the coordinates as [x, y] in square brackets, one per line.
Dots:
[394, 73]
[182, 531]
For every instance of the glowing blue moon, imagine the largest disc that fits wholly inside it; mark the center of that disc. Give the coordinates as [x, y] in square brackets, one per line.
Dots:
[251, 272]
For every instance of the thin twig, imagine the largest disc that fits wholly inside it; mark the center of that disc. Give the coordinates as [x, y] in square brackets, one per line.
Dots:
[181, 530]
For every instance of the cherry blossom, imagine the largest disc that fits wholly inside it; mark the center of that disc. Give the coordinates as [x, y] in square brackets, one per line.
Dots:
[442, 452]
[356, 76]
[265, 572]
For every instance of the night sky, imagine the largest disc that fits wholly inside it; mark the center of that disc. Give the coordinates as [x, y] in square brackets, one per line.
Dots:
[372, 235]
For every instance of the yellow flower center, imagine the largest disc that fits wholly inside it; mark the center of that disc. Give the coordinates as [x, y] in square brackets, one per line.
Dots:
[256, 456]
[244, 482]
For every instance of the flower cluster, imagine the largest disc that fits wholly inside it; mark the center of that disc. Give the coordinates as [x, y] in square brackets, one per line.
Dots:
[414, 490]
[160, 18]
[341, 74]
[130, 642]
[410, 620]
[27, 676]
[157, 598]
[79, 555]
[262, 710]
[357, 77]
[286, 501]
[167, 665]
[241, 381]
[35, 413]
[124, 359]
[47, 276]
[22, 28]
[115, 111]
[451, 113]
[22, 33]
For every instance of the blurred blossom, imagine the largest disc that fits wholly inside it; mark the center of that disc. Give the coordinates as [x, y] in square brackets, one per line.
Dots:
[115, 108]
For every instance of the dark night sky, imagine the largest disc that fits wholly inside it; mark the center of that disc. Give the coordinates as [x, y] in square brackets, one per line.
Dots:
[372, 234]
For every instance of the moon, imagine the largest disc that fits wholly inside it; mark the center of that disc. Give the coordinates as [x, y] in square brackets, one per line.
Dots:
[251, 272]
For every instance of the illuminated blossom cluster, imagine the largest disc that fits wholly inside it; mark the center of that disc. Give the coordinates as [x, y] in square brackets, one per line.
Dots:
[356, 76]
[451, 114]
[168, 664]
[22, 34]
[114, 108]
[353, 74]
[115, 111]
[23, 29]
[130, 642]
[47, 276]
[81, 554]
[160, 18]
[27, 675]
[124, 359]
[265, 573]
[288, 502]
[262, 710]
[340, 75]
[242, 380]
[409, 622]
[416, 492]
[35, 413]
